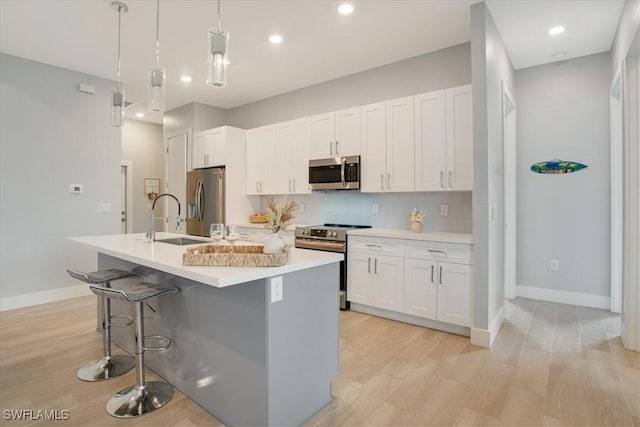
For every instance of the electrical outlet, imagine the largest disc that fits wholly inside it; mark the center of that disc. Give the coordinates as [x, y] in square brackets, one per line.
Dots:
[300, 207]
[375, 209]
[76, 189]
[276, 289]
[103, 208]
[444, 210]
[554, 265]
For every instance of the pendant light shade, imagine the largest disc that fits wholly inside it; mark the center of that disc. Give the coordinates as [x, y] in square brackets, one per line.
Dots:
[217, 59]
[117, 97]
[157, 75]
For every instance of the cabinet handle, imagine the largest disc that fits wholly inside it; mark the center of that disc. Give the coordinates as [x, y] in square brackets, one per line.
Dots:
[369, 265]
[337, 153]
[389, 181]
[289, 186]
[375, 266]
[244, 235]
[451, 179]
[382, 181]
[440, 276]
[372, 245]
[438, 251]
[442, 179]
[257, 187]
[331, 148]
[294, 185]
[432, 273]
[261, 186]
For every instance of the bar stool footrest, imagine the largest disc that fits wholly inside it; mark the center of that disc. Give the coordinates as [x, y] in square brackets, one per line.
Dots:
[121, 316]
[163, 343]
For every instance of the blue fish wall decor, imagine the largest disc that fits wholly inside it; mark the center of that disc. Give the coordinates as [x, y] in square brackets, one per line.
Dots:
[557, 166]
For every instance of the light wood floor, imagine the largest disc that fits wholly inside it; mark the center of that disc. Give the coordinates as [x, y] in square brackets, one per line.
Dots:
[552, 364]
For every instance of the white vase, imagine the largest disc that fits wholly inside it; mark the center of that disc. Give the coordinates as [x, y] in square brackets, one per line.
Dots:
[416, 227]
[274, 245]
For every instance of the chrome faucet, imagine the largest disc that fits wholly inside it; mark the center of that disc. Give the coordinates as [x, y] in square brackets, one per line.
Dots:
[152, 219]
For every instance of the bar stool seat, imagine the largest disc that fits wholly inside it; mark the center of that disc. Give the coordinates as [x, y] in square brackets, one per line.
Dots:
[109, 366]
[142, 397]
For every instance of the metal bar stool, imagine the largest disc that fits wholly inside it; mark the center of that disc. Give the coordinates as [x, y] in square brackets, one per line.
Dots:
[142, 397]
[109, 366]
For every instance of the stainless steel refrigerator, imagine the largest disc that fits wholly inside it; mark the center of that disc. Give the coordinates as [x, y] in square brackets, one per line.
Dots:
[205, 200]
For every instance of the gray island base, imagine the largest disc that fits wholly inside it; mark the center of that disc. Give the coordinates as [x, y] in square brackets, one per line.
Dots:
[247, 361]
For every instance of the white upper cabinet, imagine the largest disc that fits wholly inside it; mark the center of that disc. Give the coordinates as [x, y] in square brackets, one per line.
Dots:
[336, 134]
[208, 149]
[261, 160]
[302, 139]
[286, 158]
[444, 140]
[387, 146]
[459, 138]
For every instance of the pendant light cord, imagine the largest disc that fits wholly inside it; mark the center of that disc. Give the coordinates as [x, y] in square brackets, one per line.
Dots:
[118, 76]
[218, 15]
[157, 33]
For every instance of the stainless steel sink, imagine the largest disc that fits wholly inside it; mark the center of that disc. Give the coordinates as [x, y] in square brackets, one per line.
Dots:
[181, 241]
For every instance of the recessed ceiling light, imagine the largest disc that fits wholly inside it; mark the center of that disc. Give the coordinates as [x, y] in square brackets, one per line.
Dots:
[139, 115]
[275, 38]
[185, 79]
[559, 55]
[345, 9]
[556, 30]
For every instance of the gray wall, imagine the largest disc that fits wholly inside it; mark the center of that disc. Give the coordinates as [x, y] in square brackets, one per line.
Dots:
[437, 70]
[491, 66]
[563, 113]
[142, 144]
[51, 136]
[195, 116]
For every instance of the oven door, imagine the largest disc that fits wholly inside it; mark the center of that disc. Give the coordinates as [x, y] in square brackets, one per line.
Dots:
[335, 173]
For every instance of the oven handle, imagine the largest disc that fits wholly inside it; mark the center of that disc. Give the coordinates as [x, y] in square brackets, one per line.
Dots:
[320, 245]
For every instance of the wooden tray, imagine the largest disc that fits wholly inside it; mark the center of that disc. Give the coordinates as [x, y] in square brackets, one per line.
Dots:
[242, 256]
[258, 218]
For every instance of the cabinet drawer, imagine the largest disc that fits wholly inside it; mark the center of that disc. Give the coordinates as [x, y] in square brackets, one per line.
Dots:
[376, 245]
[439, 251]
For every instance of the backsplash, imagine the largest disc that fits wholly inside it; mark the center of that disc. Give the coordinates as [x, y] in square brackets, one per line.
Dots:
[351, 207]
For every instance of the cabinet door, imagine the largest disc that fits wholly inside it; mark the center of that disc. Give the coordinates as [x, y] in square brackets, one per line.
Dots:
[454, 293]
[286, 158]
[374, 157]
[388, 281]
[216, 148]
[359, 278]
[199, 150]
[268, 161]
[255, 157]
[430, 141]
[347, 132]
[302, 140]
[420, 288]
[400, 145]
[459, 138]
[322, 137]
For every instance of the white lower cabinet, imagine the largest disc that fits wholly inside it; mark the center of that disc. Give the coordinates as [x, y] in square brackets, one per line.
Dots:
[438, 290]
[416, 279]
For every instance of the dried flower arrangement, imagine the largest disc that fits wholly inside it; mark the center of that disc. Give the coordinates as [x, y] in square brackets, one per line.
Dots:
[279, 215]
[417, 215]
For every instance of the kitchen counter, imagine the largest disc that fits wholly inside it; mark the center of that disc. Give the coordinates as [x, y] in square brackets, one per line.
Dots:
[466, 238]
[248, 355]
[290, 227]
[168, 258]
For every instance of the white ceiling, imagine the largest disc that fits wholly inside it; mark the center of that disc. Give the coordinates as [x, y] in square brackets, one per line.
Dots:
[523, 25]
[319, 44]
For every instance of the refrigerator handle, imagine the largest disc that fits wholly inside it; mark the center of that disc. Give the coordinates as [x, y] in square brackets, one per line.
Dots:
[197, 200]
[201, 200]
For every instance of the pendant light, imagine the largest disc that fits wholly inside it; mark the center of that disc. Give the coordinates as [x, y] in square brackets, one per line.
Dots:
[117, 97]
[217, 59]
[157, 75]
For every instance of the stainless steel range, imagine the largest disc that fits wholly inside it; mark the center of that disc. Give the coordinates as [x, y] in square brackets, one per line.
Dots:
[329, 238]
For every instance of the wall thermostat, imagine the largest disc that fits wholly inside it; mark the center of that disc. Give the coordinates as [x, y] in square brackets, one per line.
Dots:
[75, 188]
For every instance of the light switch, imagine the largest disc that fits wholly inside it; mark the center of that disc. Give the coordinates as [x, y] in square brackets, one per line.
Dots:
[75, 188]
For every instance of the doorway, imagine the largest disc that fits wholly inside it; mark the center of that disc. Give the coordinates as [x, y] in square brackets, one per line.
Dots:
[616, 157]
[126, 197]
[510, 201]
[176, 167]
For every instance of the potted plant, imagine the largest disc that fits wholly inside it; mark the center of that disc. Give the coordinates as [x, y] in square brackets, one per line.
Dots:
[416, 220]
[279, 215]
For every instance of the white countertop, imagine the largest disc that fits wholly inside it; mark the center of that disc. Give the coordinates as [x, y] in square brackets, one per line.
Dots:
[165, 257]
[466, 238]
[291, 227]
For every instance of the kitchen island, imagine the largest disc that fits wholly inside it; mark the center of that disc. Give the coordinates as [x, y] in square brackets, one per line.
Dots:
[245, 359]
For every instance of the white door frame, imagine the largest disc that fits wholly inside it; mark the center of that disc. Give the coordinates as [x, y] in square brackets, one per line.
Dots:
[616, 126]
[188, 132]
[510, 201]
[128, 164]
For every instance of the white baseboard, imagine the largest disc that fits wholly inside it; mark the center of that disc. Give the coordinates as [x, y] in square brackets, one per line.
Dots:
[486, 337]
[37, 298]
[564, 297]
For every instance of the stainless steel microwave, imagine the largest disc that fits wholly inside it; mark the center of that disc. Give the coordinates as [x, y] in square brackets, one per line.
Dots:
[335, 173]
